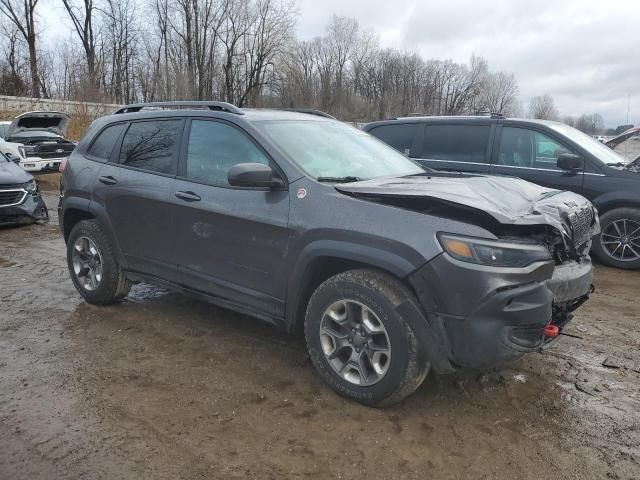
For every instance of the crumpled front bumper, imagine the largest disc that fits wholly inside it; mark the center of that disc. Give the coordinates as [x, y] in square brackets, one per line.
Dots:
[31, 209]
[488, 316]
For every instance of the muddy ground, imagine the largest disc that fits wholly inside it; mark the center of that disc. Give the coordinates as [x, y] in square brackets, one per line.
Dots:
[162, 386]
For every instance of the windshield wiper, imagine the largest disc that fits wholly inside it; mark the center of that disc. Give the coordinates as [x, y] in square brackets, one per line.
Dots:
[338, 179]
[617, 164]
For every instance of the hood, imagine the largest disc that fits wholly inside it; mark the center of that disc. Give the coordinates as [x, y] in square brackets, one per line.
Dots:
[623, 137]
[56, 122]
[510, 201]
[12, 174]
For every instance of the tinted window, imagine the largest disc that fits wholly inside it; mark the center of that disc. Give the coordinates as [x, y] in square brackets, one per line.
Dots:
[458, 143]
[214, 148]
[3, 130]
[103, 145]
[520, 147]
[399, 136]
[151, 145]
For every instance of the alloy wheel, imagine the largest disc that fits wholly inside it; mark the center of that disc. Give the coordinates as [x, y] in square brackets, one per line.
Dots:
[355, 342]
[620, 240]
[87, 263]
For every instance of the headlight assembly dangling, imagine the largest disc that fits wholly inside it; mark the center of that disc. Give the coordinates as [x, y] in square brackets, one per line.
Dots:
[495, 253]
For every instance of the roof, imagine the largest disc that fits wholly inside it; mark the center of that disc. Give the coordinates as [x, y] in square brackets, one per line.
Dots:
[479, 119]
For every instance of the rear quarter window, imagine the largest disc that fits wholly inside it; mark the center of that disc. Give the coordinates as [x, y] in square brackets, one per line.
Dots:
[457, 143]
[104, 142]
[399, 136]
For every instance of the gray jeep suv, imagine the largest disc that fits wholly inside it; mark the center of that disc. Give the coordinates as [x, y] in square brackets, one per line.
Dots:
[305, 222]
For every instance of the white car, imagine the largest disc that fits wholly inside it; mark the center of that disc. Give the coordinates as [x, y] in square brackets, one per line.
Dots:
[9, 149]
[39, 140]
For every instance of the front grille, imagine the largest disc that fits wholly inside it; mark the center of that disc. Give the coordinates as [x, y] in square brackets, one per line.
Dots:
[581, 225]
[11, 197]
[51, 150]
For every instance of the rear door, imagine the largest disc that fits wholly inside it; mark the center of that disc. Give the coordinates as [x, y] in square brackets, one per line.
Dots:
[231, 242]
[458, 147]
[134, 190]
[532, 155]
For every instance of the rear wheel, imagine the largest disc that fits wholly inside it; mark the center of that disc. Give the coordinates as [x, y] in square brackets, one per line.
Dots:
[619, 242]
[94, 270]
[358, 342]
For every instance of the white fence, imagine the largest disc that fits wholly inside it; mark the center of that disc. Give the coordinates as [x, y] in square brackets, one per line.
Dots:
[26, 104]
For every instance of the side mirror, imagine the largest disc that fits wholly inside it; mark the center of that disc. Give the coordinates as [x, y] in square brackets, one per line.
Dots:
[570, 162]
[253, 175]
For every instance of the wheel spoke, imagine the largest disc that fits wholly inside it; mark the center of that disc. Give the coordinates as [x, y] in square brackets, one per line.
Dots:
[615, 225]
[355, 342]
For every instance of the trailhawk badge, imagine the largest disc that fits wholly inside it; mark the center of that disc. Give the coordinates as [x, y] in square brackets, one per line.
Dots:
[301, 193]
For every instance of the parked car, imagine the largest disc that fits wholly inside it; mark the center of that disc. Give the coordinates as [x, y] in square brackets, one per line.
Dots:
[306, 222]
[548, 153]
[11, 150]
[41, 135]
[20, 200]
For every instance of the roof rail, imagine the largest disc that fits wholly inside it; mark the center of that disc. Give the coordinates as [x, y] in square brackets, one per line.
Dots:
[487, 113]
[310, 111]
[217, 106]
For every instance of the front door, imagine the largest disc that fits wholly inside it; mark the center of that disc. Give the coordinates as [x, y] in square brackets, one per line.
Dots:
[230, 242]
[532, 155]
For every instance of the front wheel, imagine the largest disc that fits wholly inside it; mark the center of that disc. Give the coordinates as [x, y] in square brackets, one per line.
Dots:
[357, 341]
[618, 244]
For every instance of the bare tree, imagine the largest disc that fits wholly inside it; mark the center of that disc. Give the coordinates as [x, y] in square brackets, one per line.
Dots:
[500, 93]
[543, 108]
[22, 15]
[83, 21]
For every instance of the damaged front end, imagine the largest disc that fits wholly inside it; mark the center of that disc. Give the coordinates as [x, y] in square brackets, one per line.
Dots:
[489, 307]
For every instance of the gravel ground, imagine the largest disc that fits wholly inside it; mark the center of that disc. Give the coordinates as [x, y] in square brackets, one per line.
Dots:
[162, 386]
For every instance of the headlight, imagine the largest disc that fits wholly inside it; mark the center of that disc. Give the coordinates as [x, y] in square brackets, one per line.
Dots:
[493, 252]
[31, 186]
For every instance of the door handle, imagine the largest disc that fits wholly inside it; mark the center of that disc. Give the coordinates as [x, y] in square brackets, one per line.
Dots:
[108, 180]
[188, 196]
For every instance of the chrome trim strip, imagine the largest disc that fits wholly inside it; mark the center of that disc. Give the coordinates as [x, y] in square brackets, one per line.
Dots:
[24, 192]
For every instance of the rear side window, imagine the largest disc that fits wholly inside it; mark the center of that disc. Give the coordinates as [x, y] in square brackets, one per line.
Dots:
[214, 148]
[399, 136]
[103, 144]
[457, 143]
[151, 145]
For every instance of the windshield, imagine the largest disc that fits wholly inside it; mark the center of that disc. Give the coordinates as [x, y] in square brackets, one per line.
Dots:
[597, 149]
[334, 150]
[35, 133]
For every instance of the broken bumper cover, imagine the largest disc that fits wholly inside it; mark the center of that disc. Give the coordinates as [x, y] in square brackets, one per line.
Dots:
[31, 209]
[488, 316]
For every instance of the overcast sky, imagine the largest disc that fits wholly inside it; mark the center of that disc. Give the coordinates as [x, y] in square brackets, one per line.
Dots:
[582, 52]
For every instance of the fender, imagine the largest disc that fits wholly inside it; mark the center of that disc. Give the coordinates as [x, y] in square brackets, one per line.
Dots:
[99, 212]
[391, 262]
[615, 199]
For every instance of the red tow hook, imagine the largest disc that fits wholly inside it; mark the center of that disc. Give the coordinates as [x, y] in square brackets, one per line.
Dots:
[551, 331]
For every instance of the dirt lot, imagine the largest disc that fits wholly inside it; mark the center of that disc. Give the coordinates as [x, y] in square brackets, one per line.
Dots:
[162, 386]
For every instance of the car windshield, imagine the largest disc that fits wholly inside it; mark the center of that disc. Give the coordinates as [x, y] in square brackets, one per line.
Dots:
[35, 133]
[597, 149]
[334, 151]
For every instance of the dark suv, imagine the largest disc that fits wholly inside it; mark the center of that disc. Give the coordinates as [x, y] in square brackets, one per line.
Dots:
[306, 222]
[548, 153]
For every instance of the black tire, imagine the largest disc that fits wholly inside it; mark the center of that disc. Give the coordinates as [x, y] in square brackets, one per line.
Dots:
[113, 285]
[380, 293]
[606, 223]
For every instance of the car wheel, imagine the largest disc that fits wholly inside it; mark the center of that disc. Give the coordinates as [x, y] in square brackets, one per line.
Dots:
[618, 244]
[361, 346]
[94, 270]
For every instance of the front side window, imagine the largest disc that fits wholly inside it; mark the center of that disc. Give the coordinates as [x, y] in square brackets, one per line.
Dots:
[214, 148]
[456, 143]
[151, 145]
[520, 147]
[399, 136]
[333, 150]
[103, 145]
